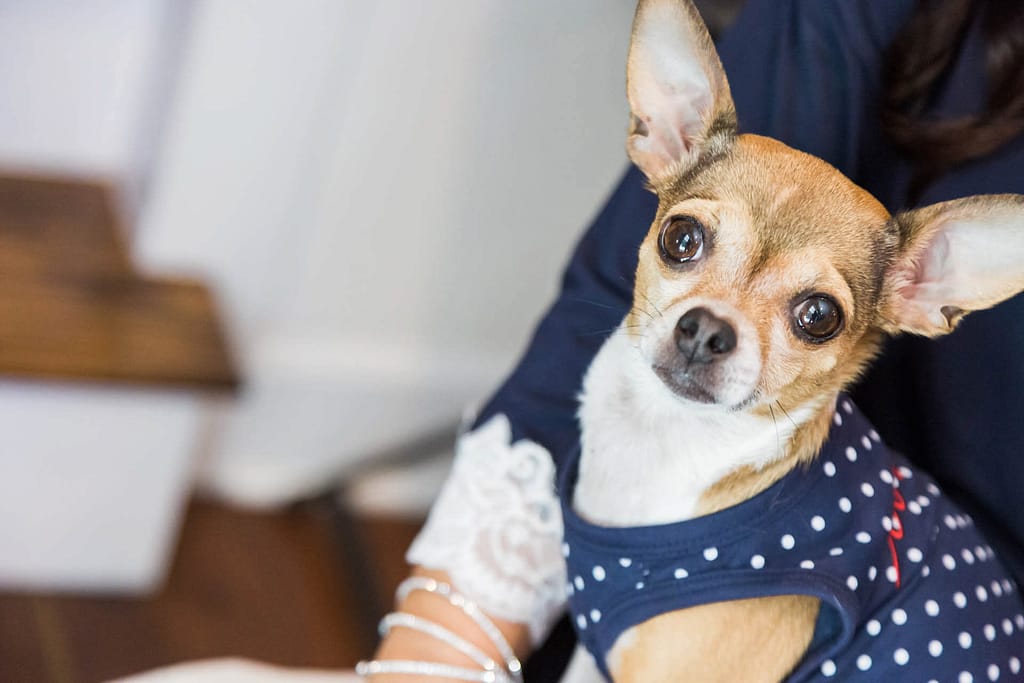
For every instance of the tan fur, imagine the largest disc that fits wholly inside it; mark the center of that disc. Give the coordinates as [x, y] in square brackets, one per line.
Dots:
[753, 641]
[828, 231]
[747, 482]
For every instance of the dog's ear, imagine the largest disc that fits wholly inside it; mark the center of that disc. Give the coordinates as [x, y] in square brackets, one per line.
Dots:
[678, 93]
[953, 258]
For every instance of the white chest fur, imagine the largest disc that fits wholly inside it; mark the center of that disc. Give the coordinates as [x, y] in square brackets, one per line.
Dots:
[647, 455]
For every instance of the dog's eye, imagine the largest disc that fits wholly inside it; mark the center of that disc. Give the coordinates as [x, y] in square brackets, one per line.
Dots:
[681, 239]
[818, 317]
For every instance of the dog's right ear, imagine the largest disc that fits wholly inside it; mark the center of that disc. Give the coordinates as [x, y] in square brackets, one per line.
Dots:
[678, 93]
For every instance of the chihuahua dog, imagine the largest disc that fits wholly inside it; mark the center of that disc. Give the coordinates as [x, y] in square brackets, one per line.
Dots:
[730, 515]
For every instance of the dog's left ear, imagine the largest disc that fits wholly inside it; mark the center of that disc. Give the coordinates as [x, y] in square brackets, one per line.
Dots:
[955, 257]
[678, 93]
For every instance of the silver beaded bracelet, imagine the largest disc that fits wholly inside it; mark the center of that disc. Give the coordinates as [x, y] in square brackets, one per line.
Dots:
[512, 673]
[416, 623]
[414, 583]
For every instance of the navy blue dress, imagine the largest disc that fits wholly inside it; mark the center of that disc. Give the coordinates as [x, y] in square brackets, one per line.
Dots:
[809, 72]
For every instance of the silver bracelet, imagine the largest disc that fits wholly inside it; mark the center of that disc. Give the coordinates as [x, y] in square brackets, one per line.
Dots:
[411, 621]
[414, 583]
[401, 666]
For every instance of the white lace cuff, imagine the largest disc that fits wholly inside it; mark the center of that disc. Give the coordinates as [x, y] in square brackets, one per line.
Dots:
[496, 528]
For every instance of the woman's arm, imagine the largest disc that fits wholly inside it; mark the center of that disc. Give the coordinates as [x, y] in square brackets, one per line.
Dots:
[801, 70]
[495, 531]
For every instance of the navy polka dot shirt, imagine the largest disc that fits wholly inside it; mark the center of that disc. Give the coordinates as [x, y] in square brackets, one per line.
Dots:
[910, 590]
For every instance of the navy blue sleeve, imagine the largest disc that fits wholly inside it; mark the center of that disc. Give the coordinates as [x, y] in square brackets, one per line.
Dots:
[808, 73]
[540, 397]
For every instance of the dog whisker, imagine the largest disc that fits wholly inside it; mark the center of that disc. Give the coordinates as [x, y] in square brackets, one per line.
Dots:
[596, 303]
[638, 309]
[786, 413]
[623, 329]
[778, 437]
[654, 305]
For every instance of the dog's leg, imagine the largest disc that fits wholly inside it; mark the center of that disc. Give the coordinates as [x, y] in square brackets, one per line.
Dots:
[755, 641]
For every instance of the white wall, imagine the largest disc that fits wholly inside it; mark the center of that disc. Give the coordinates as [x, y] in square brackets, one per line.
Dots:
[83, 83]
[384, 194]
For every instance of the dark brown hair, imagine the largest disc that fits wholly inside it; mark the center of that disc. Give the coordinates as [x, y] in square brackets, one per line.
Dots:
[919, 61]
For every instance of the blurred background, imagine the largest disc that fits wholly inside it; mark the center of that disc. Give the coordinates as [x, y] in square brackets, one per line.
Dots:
[257, 259]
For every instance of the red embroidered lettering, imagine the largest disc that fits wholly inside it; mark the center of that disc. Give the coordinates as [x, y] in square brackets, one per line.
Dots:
[899, 504]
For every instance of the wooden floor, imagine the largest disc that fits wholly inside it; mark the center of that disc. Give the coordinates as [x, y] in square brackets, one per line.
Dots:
[287, 588]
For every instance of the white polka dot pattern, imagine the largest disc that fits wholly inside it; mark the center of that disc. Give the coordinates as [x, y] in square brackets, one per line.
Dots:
[862, 528]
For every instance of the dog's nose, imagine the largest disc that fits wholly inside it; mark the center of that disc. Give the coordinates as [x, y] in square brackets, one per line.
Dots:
[703, 337]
